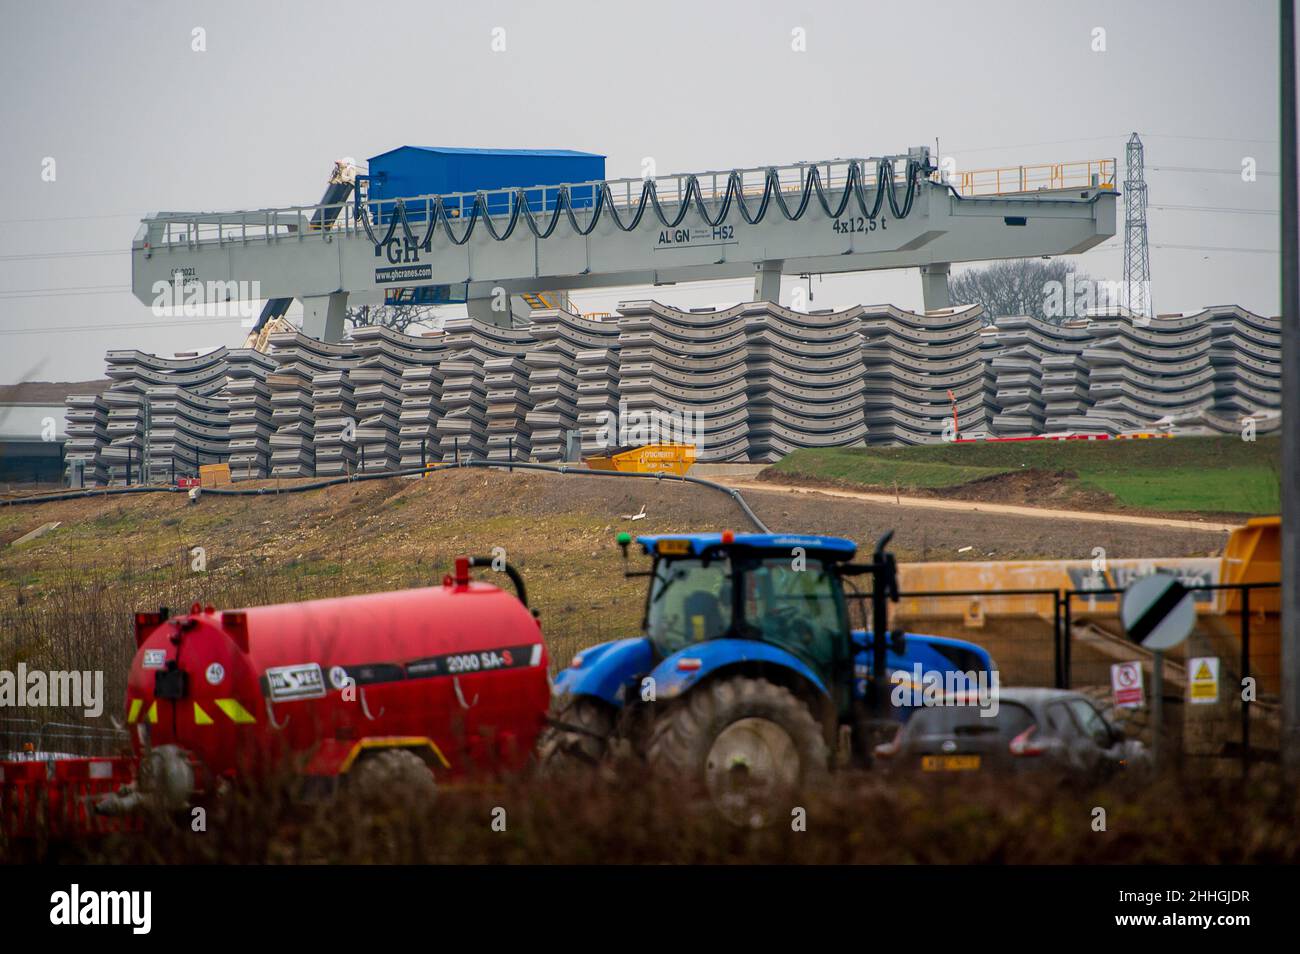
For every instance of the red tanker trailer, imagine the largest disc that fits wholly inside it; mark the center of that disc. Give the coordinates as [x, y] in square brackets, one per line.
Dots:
[455, 674]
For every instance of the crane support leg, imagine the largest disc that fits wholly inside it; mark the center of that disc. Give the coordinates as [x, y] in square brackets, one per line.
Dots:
[767, 282]
[322, 316]
[934, 286]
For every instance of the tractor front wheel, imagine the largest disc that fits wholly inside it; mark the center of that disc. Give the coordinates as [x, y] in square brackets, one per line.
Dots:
[751, 744]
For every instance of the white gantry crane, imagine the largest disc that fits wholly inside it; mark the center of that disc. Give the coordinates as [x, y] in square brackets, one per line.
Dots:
[489, 247]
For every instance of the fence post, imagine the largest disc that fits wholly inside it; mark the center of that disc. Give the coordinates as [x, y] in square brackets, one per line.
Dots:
[1067, 629]
[1245, 672]
[1058, 670]
[1157, 707]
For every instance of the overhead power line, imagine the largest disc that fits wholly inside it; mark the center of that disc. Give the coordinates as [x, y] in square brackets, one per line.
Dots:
[1220, 248]
[155, 325]
[77, 218]
[33, 256]
[1211, 138]
[1214, 208]
[64, 294]
[1205, 170]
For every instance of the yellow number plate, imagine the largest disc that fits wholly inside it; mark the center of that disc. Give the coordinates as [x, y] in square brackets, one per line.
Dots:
[674, 547]
[950, 763]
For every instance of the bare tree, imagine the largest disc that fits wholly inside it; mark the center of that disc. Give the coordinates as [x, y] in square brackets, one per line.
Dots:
[399, 318]
[1019, 286]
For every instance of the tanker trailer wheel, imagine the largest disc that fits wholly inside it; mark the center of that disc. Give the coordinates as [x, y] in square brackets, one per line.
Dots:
[391, 779]
[752, 745]
[577, 738]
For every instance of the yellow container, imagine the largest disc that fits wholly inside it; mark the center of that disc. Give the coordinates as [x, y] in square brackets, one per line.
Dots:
[214, 475]
[647, 459]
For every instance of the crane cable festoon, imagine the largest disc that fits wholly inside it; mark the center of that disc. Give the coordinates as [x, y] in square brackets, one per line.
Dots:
[854, 188]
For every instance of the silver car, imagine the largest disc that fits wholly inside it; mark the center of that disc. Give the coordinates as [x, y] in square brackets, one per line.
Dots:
[1052, 730]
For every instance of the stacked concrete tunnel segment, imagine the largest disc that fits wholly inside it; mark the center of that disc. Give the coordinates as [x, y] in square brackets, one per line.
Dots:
[750, 382]
[683, 372]
[805, 380]
[572, 382]
[1034, 368]
[87, 431]
[1115, 373]
[925, 375]
[164, 412]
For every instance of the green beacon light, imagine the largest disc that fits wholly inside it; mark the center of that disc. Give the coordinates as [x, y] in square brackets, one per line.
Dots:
[624, 538]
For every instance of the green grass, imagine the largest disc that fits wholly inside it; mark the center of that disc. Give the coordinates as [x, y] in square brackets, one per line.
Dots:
[1206, 474]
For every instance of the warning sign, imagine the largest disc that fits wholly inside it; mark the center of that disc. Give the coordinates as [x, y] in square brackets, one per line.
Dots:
[1126, 684]
[1203, 684]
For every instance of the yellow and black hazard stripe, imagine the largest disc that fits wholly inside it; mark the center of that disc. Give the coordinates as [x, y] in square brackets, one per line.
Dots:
[232, 709]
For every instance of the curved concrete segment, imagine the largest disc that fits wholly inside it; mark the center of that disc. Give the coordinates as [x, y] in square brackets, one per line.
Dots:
[746, 382]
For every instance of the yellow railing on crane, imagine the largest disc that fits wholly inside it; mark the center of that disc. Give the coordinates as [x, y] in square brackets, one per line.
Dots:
[1043, 177]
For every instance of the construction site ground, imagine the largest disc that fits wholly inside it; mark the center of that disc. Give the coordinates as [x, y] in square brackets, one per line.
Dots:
[69, 592]
[560, 530]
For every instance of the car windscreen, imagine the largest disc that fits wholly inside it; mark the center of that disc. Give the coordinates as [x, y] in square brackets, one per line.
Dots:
[1010, 721]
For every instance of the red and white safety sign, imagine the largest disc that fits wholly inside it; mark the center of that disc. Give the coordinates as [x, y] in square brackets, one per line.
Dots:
[1126, 684]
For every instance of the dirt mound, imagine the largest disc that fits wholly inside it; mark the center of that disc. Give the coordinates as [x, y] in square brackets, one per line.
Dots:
[1031, 487]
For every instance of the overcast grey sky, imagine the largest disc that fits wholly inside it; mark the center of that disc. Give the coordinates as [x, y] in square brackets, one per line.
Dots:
[137, 121]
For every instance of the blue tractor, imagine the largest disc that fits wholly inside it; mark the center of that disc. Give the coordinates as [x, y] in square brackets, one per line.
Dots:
[749, 670]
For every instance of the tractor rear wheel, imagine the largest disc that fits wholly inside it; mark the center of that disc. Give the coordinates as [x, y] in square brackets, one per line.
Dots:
[750, 743]
[577, 739]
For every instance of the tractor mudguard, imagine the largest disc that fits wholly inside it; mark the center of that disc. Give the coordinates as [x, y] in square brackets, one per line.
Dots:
[605, 670]
[671, 679]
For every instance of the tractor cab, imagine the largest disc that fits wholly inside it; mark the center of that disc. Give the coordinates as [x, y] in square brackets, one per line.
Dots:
[780, 589]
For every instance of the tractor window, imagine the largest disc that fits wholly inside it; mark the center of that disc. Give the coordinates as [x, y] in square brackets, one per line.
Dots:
[801, 610]
[689, 602]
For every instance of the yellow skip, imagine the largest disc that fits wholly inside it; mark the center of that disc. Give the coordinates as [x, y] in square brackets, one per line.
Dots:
[235, 711]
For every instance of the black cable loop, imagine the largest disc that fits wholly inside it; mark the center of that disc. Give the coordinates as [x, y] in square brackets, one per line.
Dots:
[725, 207]
[770, 181]
[640, 208]
[399, 212]
[804, 196]
[388, 236]
[532, 222]
[469, 226]
[510, 227]
[659, 212]
[567, 198]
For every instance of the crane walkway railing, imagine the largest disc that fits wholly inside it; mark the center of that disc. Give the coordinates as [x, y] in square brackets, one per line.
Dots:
[189, 229]
[1042, 177]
